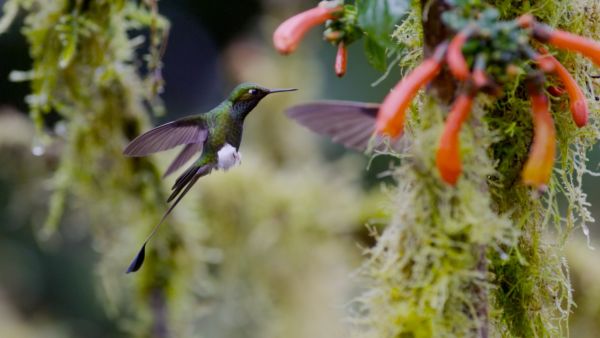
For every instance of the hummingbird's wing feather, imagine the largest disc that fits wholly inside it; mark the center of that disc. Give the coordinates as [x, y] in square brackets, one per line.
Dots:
[167, 136]
[183, 184]
[351, 124]
[184, 156]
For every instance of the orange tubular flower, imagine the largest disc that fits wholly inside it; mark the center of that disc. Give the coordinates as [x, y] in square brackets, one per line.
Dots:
[579, 107]
[341, 60]
[391, 115]
[289, 34]
[538, 167]
[447, 158]
[455, 58]
[565, 40]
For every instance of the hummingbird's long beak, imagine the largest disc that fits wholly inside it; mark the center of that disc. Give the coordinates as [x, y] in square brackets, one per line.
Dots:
[282, 90]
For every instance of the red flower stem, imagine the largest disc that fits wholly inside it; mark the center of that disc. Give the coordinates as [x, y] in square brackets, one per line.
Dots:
[538, 168]
[447, 158]
[288, 35]
[578, 102]
[392, 113]
[341, 59]
[455, 58]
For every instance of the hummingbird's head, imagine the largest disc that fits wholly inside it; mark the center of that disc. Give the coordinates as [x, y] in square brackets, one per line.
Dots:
[247, 95]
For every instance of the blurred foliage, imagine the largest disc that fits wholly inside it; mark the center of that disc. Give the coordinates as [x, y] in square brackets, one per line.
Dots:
[84, 70]
[46, 288]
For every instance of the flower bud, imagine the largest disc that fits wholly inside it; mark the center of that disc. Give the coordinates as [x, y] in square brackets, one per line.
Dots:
[556, 91]
[341, 60]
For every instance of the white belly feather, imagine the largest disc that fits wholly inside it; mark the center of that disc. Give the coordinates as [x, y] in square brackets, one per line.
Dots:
[228, 157]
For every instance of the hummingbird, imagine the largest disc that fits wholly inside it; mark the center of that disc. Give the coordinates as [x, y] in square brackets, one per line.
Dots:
[216, 135]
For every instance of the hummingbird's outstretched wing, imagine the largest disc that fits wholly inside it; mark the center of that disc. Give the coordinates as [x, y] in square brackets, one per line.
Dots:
[349, 123]
[184, 156]
[167, 136]
[183, 184]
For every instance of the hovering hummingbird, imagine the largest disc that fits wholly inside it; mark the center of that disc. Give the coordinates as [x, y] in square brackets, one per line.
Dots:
[216, 134]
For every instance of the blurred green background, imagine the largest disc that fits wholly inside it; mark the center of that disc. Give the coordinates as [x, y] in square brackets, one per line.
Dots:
[284, 230]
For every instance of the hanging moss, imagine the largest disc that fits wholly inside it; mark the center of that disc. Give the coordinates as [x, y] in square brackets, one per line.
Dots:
[83, 70]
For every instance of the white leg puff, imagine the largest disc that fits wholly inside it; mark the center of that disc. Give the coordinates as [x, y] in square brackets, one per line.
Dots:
[228, 157]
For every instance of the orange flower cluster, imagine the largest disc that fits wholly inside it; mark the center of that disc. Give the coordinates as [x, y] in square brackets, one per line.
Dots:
[538, 168]
[392, 112]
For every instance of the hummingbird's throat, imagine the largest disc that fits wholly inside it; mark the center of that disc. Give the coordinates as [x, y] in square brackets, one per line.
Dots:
[228, 157]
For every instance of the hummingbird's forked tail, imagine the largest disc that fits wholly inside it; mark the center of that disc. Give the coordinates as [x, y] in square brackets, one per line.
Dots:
[183, 184]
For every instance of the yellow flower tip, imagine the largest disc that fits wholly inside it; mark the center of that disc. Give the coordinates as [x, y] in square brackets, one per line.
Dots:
[538, 168]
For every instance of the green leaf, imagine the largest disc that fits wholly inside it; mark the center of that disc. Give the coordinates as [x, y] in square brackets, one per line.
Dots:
[378, 18]
[376, 54]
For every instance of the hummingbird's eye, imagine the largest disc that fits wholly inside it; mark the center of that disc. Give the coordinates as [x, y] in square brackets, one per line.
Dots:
[252, 91]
